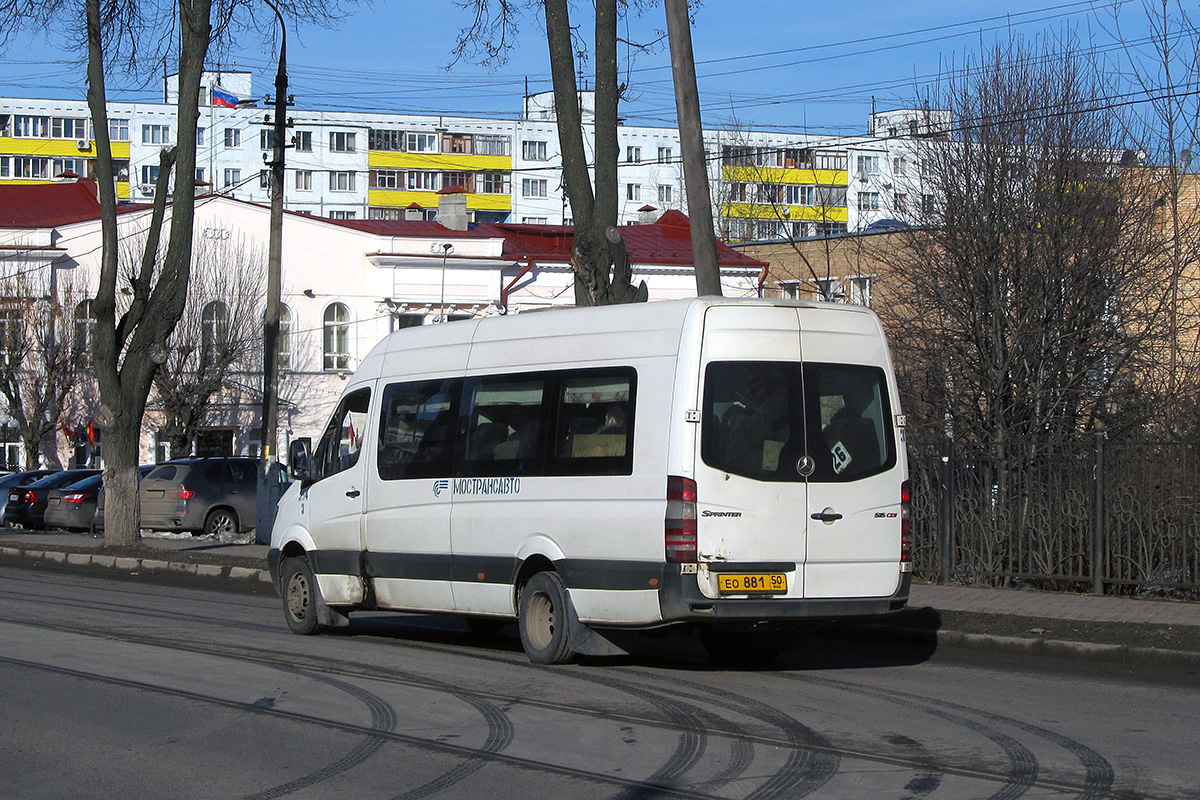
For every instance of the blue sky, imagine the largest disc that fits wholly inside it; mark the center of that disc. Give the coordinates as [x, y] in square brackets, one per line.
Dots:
[770, 64]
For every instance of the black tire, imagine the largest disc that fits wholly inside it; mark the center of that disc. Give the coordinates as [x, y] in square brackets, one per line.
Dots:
[738, 648]
[544, 620]
[219, 521]
[485, 626]
[301, 597]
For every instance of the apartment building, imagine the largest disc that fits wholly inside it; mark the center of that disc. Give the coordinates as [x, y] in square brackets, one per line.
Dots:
[350, 165]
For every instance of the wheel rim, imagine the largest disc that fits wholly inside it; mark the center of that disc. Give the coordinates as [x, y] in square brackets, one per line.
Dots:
[541, 620]
[221, 523]
[297, 597]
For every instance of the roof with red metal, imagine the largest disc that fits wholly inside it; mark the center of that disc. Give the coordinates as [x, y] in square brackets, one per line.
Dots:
[667, 241]
[48, 205]
[400, 227]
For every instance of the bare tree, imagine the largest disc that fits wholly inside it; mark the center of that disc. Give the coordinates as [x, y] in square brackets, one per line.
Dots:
[1162, 70]
[130, 347]
[217, 337]
[602, 271]
[1025, 305]
[43, 352]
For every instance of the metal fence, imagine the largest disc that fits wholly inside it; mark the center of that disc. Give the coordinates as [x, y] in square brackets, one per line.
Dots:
[1097, 516]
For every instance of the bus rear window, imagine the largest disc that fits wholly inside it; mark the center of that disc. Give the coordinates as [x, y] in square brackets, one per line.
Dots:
[761, 418]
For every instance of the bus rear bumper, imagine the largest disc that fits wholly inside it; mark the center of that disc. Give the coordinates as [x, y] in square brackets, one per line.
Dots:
[680, 600]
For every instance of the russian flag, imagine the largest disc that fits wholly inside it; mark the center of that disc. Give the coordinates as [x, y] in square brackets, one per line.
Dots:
[222, 98]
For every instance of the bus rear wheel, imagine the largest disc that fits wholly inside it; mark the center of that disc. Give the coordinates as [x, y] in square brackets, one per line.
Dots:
[544, 620]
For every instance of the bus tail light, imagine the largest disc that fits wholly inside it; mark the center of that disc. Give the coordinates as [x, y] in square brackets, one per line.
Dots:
[681, 520]
[906, 522]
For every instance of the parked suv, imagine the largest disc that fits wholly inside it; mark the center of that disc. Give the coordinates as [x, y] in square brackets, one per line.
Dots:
[202, 495]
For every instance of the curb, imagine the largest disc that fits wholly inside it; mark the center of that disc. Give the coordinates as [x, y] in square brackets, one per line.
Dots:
[1121, 655]
[243, 575]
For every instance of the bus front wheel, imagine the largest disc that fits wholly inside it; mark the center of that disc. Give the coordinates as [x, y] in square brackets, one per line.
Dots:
[544, 620]
[300, 597]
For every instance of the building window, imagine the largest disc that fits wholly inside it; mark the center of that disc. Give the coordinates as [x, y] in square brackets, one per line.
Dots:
[85, 329]
[266, 139]
[304, 180]
[28, 127]
[800, 195]
[200, 173]
[336, 337]
[493, 182]
[383, 213]
[232, 178]
[118, 130]
[900, 202]
[422, 180]
[533, 151]
[12, 333]
[533, 220]
[200, 136]
[900, 165]
[233, 137]
[860, 291]
[868, 201]
[303, 141]
[33, 168]
[214, 331]
[156, 134]
[533, 187]
[264, 179]
[76, 165]
[343, 215]
[341, 142]
[341, 181]
[633, 191]
[422, 142]
[149, 174]
[664, 194]
[665, 155]
[5, 167]
[633, 155]
[392, 141]
[385, 179]
[284, 340]
[465, 180]
[68, 128]
[492, 145]
[867, 164]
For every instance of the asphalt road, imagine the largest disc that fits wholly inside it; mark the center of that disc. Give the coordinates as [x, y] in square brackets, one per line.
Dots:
[113, 688]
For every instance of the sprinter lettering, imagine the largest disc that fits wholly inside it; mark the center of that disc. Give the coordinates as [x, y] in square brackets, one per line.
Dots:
[487, 486]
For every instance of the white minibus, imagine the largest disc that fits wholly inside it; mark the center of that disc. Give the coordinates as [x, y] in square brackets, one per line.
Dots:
[733, 465]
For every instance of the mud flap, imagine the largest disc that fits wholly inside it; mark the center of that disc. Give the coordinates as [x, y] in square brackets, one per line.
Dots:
[588, 641]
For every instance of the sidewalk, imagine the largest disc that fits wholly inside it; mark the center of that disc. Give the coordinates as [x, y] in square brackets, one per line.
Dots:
[1115, 629]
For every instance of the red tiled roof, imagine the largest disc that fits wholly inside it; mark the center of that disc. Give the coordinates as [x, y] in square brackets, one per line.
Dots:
[667, 241]
[48, 205]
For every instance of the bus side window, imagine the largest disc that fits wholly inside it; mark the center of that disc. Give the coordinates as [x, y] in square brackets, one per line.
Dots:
[342, 441]
[416, 429]
[595, 423]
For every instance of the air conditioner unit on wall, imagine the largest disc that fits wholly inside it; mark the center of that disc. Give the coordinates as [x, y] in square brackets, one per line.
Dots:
[83, 144]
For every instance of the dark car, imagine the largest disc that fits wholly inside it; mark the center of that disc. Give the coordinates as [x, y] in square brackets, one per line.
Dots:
[27, 504]
[72, 508]
[14, 479]
[98, 517]
[203, 495]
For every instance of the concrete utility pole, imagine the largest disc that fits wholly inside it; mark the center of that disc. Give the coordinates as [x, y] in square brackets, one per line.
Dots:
[268, 484]
[270, 395]
[691, 139]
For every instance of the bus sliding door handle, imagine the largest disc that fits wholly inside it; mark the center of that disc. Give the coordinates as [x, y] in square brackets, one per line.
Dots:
[828, 515]
[353, 493]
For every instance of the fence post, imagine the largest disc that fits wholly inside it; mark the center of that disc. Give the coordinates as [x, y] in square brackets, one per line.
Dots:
[946, 510]
[1097, 560]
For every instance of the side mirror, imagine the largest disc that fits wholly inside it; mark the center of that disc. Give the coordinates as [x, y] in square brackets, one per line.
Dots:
[300, 459]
